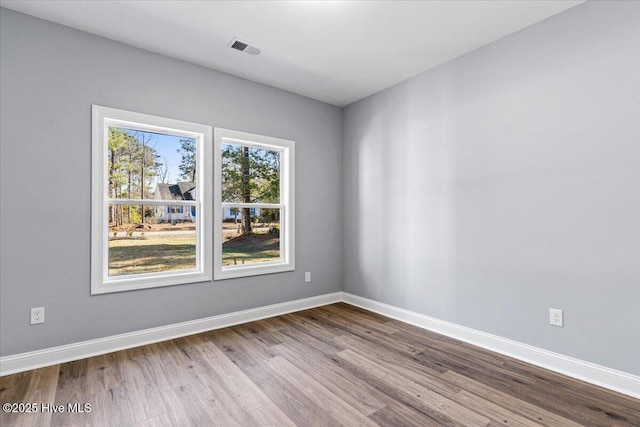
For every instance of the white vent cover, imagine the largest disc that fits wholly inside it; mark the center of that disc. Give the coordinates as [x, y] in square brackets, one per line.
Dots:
[243, 46]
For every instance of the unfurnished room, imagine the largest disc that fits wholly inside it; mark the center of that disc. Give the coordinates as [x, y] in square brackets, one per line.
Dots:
[320, 213]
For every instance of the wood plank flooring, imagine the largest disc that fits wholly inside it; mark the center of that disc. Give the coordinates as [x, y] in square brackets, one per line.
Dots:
[336, 365]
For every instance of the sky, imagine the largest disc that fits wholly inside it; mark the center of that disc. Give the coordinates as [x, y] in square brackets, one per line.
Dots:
[166, 147]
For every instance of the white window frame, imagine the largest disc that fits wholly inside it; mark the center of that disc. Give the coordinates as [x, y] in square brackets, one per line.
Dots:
[102, 119]
[286, 148]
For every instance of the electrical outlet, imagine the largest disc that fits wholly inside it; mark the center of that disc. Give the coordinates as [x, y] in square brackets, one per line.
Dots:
[37, 315]
[307, 277]
[556, 317]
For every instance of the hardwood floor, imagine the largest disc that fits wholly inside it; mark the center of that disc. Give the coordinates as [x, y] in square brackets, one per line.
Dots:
[329, 366]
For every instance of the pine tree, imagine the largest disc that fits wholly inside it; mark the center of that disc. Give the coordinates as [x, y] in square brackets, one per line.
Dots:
[133, 166]
[250, 175]
[188, 162]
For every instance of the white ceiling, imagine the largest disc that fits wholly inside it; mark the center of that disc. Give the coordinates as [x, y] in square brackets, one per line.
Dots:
[334, 51]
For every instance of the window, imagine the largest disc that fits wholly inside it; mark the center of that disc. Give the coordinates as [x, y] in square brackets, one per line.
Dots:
[254, 204]
[151, 201]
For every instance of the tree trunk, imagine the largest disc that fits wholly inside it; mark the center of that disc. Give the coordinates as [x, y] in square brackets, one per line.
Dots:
[119, 214]
[246, 191]
[112, 186]
[142, 186]
[129, 185]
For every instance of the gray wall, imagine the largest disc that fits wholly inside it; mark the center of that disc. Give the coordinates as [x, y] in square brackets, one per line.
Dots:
[50, 76]
[506, 182]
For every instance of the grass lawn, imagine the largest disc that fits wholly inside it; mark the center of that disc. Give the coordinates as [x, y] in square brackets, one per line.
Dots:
[251, 249]
[175, 252]
[152, 254]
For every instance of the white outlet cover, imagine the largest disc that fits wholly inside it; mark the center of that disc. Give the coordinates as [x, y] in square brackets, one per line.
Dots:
[37, 315]
[556, 317]
[307, 276]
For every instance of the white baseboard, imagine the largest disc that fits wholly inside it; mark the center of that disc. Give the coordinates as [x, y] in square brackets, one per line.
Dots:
[66, 353]
[589, 372]
[595, 374]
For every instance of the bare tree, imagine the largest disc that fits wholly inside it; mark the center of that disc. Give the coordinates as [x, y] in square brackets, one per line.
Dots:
[163, 171]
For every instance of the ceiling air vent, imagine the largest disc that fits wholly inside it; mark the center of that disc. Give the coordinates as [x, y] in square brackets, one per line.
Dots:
[243, 46]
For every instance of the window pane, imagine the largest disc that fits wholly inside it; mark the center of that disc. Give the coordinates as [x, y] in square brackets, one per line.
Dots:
[250, 236]
[146, 165]
[250, 175]
[164, 242]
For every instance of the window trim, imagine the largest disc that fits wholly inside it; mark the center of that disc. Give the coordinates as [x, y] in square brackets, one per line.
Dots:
[287, 204]
[102, 118]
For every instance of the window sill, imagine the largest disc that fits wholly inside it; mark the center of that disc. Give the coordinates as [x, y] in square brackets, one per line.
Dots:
[257, 270]
[131, 283]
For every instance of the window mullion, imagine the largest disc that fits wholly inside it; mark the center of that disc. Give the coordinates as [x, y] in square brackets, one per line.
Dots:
[152, 202]
[252, 205]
